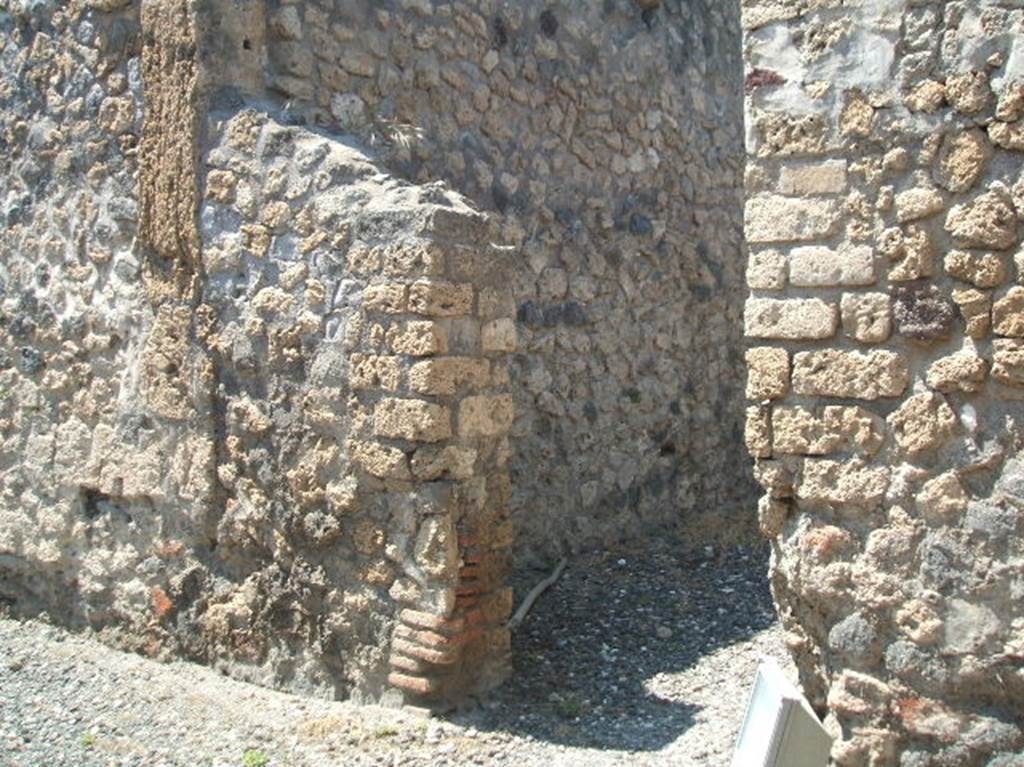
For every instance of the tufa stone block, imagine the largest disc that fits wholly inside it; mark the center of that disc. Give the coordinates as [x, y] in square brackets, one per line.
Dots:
[858, 375]
[827, 177]
[411, 419]
[444, 375]
[820, 267]
[767, 373]
[499, 335]
[866, 317]
[485, 416]
[774, 218]
[440, 299]
[790, 319]
[766, 270]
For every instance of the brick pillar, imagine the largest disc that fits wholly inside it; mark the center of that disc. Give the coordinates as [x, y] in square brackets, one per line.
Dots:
[430, 421]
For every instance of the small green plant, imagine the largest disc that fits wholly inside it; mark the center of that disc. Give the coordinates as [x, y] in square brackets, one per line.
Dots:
[568, 706]
[253, 757]
[386, 731]
[88, 739]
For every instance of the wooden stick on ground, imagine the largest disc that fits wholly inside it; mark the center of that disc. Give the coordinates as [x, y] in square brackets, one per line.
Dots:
[535, 592]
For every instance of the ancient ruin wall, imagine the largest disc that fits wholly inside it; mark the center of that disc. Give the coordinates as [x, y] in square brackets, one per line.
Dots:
[254, 389]
[607, 140]
[886, 364]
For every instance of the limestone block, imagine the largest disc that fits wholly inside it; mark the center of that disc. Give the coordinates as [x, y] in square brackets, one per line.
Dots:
[962, 160]
[918, 203]
[371, 371]
[766, 270]
[828, 177]
[795, 318]
[440, 299]
[942, 499]
[963, 371]
[984, 270]
[775, 218]
[417, 338]
[1008, 313]
[1008, 361]
[922, 312]
[499, 335]
[387, 297]
[976, 309]
[411, 419]
[444, 375]
[988, 221]
[860, 375]
[848, 482]
[924, 422]
[757, 432]
[485, 416]
[767, 373]
[816, 266]
[801, 431]
[866, 316]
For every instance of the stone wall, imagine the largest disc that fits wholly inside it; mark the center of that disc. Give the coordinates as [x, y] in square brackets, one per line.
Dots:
[886, 364]
[254, 389]
[607, 139]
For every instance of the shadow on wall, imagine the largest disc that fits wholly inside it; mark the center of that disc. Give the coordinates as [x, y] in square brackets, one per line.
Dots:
[606, 659]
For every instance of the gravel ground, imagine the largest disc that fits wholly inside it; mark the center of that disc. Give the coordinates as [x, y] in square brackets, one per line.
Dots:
[636, 656]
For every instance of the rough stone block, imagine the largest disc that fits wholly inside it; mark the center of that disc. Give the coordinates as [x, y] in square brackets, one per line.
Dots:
[922, 312]
[859, 375]
[918, 203]
[828, 177]
[499, 335]
[417, 338]
[801, 431]
[911, 250]
[412, 419]
[984, 270]
[794, 318]
[963, 371]
[942, 499]
[388, 298]
[851, 482]
[976, 309]
[775, 218]
[440, 299]
[758, 431]
[1008, 313]
[371, 371]
[1008, 361]
[485, 416]
[444, 375]
[922, 423]
[816, 266]
[866, 316]
[988, 221]
[962, 160]
[767, 373]
[379, 460]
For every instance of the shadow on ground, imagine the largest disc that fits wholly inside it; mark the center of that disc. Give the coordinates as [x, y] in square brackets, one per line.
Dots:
[588, 650]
